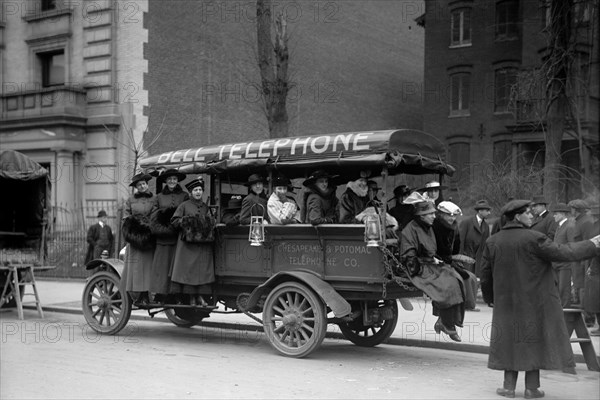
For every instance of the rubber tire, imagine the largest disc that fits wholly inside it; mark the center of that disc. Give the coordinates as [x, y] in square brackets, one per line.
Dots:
[308, 312]
[105, 284]
[184, 318]
[371, 336]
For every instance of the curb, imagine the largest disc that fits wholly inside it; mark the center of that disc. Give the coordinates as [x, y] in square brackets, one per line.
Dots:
[394, 341]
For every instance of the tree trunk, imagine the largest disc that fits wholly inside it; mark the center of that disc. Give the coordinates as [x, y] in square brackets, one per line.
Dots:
[273, 60]
[552, 162]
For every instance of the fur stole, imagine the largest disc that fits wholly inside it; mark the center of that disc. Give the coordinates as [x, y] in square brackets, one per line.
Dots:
[138, 233]
[197, 228]
[138, 195]
[360, 192]
[161, 223]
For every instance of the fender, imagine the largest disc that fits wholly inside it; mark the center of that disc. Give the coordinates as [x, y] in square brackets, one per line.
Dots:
[333, 299]
[112, 264]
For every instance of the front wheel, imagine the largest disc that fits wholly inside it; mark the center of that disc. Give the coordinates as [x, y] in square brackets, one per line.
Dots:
[377, 333]
[105, 308]
[294, 319]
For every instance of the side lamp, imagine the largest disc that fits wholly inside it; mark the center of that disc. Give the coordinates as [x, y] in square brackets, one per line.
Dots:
[373, 231]
[256, 235]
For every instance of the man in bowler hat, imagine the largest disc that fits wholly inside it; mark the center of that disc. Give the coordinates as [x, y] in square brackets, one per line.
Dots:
[542, 221]
[473, 232]
[99, 238]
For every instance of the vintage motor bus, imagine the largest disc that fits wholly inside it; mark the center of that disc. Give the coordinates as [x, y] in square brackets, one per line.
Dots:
[300, 277]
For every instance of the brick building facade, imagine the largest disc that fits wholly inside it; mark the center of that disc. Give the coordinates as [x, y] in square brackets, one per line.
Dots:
[474, 52]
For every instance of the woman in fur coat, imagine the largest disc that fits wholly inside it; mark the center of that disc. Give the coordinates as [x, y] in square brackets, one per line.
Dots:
[138, 234]
[354, 200]
[167, 202]
[321, 206]
[193, 265]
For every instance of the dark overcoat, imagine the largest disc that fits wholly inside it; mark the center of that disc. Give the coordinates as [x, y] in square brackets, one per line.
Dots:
[351, 204]
[591, 297]
[249, 209]
[167, 202]
[564, 234]
[546, 224]
[403, 213]
[321, 208]
[99, 239]
[472, 239]
[138, 262]
[193, 264]
[528, 329]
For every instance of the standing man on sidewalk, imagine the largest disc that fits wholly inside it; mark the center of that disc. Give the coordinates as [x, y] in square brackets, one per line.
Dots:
[516, 275]
[565, 233]
[584, 229]
[473, 232]
[99, 238]
[543, 221]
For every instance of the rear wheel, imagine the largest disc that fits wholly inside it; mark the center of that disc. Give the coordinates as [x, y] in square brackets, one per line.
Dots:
[294, 319]
[105, 308]
[185, 317]
[372, 335]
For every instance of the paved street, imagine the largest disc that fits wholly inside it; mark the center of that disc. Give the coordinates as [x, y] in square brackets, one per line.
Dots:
[158, 360]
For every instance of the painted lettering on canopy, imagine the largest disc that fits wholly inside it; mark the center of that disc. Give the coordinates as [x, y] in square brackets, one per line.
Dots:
[349, 142]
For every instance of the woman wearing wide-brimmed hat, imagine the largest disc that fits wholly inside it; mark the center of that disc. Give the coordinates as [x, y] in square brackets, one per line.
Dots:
[432, 191]
[281, 208]
[256, 201]
[167, 201]
[418, 249]
[193, 265]
[137, 232]
[403, 213]
[321, 206]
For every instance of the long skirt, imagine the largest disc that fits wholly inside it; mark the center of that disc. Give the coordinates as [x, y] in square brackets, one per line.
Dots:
[136, 274]
[441, 283]
[193, 266]
[160, 279]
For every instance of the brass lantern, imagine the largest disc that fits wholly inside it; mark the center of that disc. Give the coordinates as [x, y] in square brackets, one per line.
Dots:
[256, 236]
[373, 231]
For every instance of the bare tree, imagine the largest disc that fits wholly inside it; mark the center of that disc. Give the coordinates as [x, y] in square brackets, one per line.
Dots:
[273, 59]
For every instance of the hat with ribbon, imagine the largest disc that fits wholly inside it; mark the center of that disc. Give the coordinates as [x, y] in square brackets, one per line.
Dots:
[538, 200]
[281, 180]
[579, 204]
[101, 214]
[448, 207]
[424, 207]
[318, 175]
[234, 203]
[198, 182]
[138, 178]
[516, 206]
[482, 205]
[255, 178]
[433, 185]
[560, 207]
[172, 172]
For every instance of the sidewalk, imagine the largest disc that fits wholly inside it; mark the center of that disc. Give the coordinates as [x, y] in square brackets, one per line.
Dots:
[415, 328]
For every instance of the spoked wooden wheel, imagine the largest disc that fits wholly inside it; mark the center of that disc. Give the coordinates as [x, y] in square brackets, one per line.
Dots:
[369, 336]
[105, 308]
[294, 319]
[185, 317]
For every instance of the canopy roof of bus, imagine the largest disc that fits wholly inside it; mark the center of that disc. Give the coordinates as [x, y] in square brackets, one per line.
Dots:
[401, 151]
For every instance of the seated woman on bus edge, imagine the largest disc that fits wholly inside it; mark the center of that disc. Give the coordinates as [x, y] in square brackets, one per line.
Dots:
[447, 238]
[439, 281]
[193, 266]
[321, 205]
[354, 200]
[281, 208]
[167, 201]
[256, 196]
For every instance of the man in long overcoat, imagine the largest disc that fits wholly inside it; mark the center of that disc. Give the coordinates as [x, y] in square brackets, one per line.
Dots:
[543, 221]
[529, 331]
[99, 238]
[473, 233]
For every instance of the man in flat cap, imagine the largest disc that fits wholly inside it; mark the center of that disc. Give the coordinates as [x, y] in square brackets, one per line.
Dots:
[99, 238]
[543, 221]
[584, 229]
[517, 277]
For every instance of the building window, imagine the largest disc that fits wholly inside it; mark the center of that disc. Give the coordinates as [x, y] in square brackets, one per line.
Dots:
[459, 155]
[507, 16]
[460, 86]
[460, 27]
[504, 81]
[502, 152]
[53, 68]
[48, 5]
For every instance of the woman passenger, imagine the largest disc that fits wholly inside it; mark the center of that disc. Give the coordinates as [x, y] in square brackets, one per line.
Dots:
[281, 208]
[439, 281]
[193, 266]
[167, 201]
[355, 199]
[256, 201]
[137, 232]
[321, 203]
